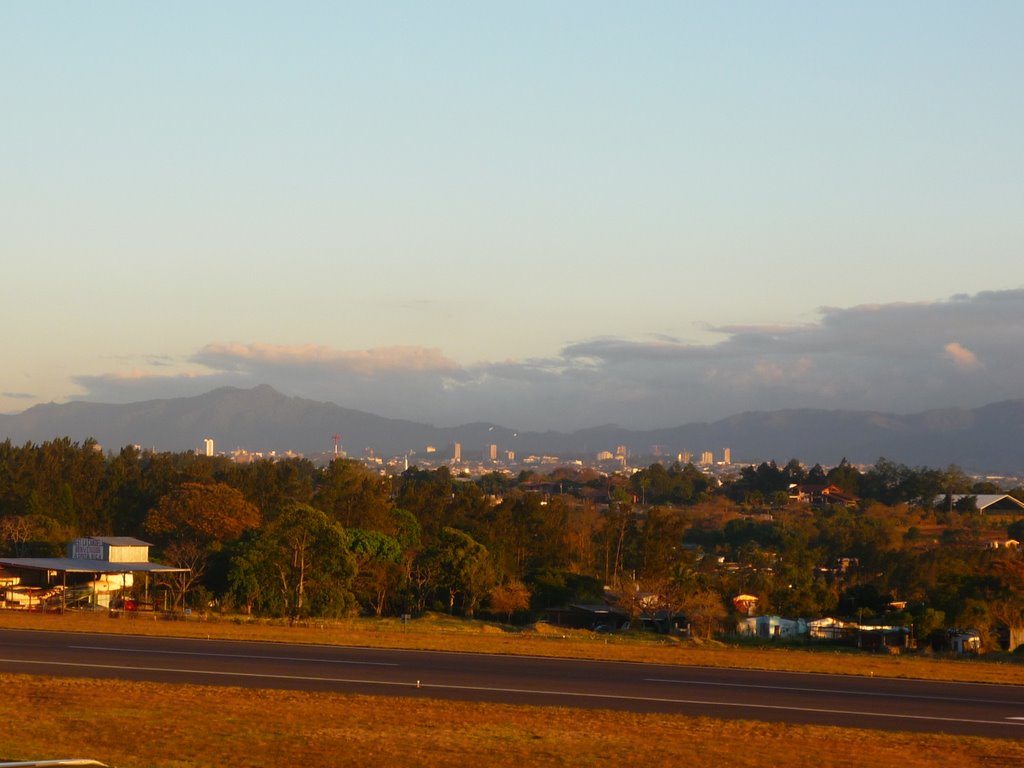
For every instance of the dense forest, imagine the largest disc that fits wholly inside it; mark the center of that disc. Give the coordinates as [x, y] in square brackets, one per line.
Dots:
[288, 538]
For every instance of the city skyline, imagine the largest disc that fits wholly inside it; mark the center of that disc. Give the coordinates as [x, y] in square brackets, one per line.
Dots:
[262, 421]
[552, 216]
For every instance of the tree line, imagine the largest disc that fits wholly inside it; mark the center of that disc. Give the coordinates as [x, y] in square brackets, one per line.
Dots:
[288, 538]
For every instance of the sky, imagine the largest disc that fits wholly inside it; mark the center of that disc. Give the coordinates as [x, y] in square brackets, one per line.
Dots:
[547, 215]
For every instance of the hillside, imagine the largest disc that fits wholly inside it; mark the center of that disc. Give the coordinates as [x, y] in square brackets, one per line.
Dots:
[986, 439]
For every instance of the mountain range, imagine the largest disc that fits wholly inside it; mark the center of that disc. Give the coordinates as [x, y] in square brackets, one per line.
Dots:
[988, 440]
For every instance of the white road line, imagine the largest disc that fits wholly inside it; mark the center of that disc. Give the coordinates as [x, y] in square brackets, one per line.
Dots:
[564, 659]
[521, 691]
[833, 691]
[233, 656]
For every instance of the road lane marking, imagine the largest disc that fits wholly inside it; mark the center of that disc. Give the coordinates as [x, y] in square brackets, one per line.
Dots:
[517, 691]
[832, 691]
[558, 659]
[233, 656]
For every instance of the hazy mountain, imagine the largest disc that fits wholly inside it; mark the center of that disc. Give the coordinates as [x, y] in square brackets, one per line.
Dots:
[258, 419]
[987, 439]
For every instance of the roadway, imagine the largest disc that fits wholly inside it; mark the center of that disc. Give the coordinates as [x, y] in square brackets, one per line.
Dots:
[849, 701]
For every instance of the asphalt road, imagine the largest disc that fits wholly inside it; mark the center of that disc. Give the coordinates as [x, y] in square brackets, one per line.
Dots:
[904, 705]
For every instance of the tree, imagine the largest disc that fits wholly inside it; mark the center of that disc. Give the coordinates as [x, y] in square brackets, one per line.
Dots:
[123, 484]
[312, 561]
[794, 472]
[463, 568]
[207, 513]
[966, 504]
[272, 485]
[354, 496]
[429, 496]
[194, 520]
[618, 536]
[845, 476]
[758, 483]
[378, 566]
[662, 544]
[14, 532]
[253, 576]
[509, 598]
[525, 533]
[582, 525]
[705, 612]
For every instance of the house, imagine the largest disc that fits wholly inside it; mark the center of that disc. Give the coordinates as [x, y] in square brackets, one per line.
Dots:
[984, 502]
[1001, 542]
[821, 495]
[829, 628]
[884, 638]
[771, 627]
[745, 604]
[583, 616]
[962, 641]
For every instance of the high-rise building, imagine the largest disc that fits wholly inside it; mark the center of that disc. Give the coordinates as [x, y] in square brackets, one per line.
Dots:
[684, 457]
[707, 457]
[492, 452]
[727, 456]
[208, 446]
[457, 453]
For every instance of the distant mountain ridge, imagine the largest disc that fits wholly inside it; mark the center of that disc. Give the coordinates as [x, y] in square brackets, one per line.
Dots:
[989, 439]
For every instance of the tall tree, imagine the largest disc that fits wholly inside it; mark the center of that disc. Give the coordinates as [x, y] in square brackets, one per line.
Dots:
[353, 495]
[378, 558]
[463, 569]
[312, 560]
[195, 520]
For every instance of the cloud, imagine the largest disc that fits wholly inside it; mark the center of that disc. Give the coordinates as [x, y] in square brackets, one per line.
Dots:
[18, 395]
[961, 356]
[868, 357]
[370, 362]
[133, 386]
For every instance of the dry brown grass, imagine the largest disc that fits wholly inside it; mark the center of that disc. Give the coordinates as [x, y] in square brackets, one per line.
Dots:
[146, 724]
[447, 634]
[128, 724]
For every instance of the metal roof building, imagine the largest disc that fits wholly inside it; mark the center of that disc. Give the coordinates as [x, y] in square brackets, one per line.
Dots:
[89, 572]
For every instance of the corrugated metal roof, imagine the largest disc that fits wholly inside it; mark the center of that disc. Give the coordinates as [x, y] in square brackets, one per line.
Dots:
[121, 541]
[982, 500]
[68, 565]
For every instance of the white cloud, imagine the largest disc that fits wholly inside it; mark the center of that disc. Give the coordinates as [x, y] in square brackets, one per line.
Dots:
[368, 362]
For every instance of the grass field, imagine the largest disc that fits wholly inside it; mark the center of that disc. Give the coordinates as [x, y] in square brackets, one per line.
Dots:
[130, 725]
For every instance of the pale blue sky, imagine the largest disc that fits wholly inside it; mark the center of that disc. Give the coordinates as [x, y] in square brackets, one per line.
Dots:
[427, 209]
